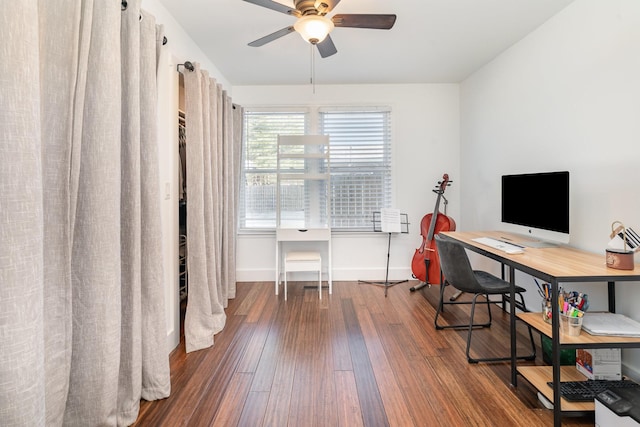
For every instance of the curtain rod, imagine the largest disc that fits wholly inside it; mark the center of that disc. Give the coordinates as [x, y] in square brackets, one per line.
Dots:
[188, 65]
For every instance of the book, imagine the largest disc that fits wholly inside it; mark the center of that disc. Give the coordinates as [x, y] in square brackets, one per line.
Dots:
[390, 220]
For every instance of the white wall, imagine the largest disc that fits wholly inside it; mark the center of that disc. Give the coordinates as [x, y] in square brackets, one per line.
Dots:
[425, 133]
[567, 97]
[180, 44]
[180, 48]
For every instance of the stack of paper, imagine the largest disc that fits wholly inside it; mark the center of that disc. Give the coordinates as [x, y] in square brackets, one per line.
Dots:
[610, 324]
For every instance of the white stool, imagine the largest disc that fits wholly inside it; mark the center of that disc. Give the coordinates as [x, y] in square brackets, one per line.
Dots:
[303, 261]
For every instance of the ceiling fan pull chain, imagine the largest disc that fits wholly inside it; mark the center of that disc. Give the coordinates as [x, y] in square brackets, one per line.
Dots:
[313, 67]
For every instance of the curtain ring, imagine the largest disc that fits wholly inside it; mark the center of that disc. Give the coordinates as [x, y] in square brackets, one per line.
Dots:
[164, 40]
[123, 5]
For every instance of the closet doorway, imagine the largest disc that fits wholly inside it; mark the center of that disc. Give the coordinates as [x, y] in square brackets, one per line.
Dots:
[183, 274]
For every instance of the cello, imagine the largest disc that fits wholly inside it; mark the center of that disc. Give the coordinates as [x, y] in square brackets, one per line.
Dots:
[425, 264]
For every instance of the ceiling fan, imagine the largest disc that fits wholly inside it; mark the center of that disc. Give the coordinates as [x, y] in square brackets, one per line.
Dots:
[314, 26]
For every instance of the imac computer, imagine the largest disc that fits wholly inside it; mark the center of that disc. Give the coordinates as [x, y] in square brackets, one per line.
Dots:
[536, 205]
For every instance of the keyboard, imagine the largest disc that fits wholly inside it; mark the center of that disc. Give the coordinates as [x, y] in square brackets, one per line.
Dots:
[499, 244]
[586, 391]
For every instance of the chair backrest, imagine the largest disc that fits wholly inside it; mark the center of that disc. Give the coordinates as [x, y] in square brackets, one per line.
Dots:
[455, 266]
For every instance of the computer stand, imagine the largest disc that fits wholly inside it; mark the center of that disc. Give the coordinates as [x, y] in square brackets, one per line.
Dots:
[387, 284]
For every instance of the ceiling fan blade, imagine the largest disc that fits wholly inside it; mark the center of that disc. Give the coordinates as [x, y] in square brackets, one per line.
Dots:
[273, 5]
[378, 22]
[325, 6]
[271, 37]
[326, 47]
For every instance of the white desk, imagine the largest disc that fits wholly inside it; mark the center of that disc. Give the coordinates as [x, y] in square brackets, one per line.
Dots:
[322, 235]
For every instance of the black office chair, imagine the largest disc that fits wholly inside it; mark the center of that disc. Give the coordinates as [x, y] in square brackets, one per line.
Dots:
[458, 273]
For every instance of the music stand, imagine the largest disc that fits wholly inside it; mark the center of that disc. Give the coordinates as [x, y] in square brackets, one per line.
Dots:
[389, 221]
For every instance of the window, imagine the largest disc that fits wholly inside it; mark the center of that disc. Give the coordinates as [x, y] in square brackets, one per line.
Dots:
[360, 163]
[258, 179]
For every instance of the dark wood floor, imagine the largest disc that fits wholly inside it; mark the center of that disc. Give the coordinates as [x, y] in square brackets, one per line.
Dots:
[353, 358]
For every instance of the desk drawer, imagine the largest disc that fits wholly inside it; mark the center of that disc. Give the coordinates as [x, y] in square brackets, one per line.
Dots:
[292, 234]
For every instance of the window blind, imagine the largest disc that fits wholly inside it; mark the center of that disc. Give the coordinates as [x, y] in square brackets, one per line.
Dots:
[259, 163]
[360, 165]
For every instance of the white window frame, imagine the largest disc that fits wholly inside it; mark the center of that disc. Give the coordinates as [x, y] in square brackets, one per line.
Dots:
[359, 221]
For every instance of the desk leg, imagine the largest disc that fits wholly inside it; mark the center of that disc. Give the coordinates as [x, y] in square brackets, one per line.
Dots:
[277, 265]
[330, 277]
[611, 289]
[512, 326]
[555, 354]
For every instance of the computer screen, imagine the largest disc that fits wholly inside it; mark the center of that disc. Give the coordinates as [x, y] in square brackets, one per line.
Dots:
[537, 205]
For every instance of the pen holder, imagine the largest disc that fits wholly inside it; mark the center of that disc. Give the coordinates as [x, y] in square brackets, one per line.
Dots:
[546, 311]
[570, 326]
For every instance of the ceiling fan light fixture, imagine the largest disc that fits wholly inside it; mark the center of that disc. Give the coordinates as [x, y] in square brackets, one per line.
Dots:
[313, 28]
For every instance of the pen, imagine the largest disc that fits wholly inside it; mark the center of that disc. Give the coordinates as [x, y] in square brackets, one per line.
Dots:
[583, 303]
[585, 307]
[541, 292]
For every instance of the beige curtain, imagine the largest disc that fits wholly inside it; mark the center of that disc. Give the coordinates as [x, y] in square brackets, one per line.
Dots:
[82, 328]
[213, 135]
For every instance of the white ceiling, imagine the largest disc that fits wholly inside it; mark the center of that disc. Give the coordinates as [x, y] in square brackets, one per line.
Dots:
[433, 41]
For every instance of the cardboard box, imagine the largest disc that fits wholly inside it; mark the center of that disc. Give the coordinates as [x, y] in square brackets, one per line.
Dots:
[599, 364]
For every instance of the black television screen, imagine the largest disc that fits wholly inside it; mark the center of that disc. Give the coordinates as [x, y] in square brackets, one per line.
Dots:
[537, 201]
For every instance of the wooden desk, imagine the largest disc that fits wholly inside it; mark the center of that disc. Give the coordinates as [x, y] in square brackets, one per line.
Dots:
[555, 265]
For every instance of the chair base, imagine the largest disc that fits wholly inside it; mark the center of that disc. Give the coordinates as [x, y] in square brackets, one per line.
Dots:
[520, 305]
[470, 326]
[442, 303]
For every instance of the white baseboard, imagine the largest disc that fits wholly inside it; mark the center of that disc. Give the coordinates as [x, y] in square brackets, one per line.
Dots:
[268, 275]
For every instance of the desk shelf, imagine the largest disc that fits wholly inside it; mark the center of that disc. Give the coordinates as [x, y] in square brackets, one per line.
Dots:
[303, 197]
[303, 181]
[303, 176]
[585, 340]
[538, 376]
